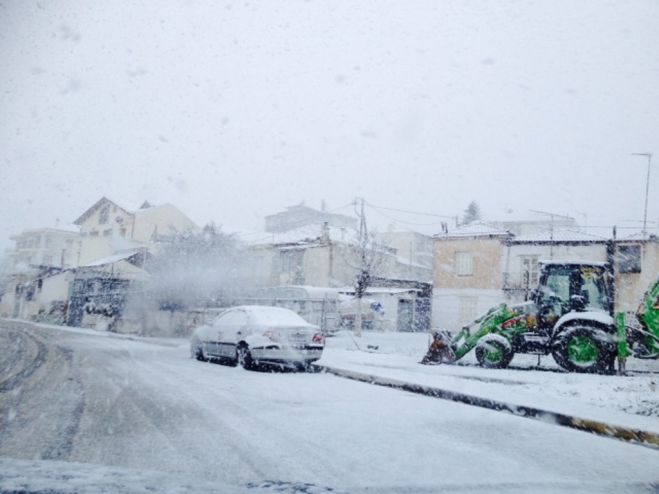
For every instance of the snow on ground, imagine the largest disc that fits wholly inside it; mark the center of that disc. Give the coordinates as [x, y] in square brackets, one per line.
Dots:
[631, 400]
[148, 406]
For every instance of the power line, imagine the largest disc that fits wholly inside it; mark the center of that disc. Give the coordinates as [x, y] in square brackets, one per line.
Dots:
[420, 213]
[397, 220]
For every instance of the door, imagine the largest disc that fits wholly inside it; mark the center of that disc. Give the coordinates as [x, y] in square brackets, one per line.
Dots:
[405, 315]
[226, 332]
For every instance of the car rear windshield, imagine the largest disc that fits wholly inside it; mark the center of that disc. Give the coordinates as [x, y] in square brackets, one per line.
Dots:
[276, 317]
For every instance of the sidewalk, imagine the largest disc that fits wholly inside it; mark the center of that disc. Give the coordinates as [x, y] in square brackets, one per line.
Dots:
[628, 401]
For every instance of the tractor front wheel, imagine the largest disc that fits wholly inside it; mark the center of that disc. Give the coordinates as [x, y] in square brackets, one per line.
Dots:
[494, 352]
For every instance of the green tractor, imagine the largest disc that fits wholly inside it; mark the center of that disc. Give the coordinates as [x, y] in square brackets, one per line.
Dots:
[569, 315]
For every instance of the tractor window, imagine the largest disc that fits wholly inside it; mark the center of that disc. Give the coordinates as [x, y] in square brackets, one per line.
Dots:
[557, 287]
[593, 291]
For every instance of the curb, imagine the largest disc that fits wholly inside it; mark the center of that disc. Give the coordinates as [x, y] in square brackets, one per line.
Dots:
[634, 436]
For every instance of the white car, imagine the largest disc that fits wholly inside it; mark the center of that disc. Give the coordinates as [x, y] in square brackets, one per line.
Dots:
[251, 335]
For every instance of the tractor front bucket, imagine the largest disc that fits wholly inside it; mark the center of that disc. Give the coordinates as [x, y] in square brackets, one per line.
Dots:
[439, 350]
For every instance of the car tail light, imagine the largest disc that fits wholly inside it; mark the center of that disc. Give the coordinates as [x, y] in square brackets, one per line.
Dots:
[271, 335]
[318, 338]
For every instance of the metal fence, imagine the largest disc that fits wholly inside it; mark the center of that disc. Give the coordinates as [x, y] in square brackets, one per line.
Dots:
[323, 312]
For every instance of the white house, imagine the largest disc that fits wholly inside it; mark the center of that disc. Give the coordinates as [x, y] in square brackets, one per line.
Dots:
[44, 247]
[107, 228]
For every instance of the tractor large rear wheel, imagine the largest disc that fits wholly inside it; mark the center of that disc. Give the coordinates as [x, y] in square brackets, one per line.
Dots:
[584, 349]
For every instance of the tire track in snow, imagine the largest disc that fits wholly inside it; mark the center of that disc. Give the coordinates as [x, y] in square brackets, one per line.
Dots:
[41, 402]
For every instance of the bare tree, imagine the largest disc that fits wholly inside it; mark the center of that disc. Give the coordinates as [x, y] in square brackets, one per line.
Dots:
[367, 256]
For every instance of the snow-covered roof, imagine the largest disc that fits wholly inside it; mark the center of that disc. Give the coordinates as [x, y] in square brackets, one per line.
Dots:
[639, 236]
[530, 216]
[559, 235]
[122, 256]
[405, 261]
[303, 236]
[478, 229]
[62, 229]
[95, 206]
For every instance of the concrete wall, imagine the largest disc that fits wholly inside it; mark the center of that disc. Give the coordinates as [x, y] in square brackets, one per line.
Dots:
[459, 299]
[453, 308]
[487, 254]
[632, 286]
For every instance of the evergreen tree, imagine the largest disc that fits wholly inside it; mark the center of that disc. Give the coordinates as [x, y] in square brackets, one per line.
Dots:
[471, 214]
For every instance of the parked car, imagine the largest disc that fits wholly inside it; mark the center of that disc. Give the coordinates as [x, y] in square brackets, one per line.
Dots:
[254, 335]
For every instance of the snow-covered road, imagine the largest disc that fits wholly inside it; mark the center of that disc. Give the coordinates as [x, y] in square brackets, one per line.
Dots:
[88, 397]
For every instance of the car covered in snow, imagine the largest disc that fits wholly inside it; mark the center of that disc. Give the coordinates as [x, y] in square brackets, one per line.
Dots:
[253, 335]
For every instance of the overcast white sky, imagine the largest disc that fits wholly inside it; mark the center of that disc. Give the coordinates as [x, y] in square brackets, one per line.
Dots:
[234, 110]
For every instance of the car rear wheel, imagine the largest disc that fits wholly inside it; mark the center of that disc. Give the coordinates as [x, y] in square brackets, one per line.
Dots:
[244, 357]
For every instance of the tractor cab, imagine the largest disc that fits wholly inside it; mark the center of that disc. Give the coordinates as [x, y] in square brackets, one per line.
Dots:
[571, 287]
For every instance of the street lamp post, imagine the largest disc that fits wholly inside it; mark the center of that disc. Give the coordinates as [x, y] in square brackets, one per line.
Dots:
[647, 190]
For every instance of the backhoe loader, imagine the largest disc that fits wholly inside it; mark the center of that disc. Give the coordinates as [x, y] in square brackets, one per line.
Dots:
[570, 316]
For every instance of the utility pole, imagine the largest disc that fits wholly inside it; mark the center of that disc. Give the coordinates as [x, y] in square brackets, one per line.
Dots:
[647, 190]
[359, 288]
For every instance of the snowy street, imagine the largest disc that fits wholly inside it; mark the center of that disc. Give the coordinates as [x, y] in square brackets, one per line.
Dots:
[98, 398]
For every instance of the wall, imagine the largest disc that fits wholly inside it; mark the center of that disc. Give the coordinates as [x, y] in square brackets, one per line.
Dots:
[45, 246]
[459, 299]
[487, 255]
[161, 220]
[630, 287]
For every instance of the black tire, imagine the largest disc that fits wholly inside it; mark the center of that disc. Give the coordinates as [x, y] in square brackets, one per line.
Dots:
[581, 348]
[244, 357]
[197, 352]
[485, 358]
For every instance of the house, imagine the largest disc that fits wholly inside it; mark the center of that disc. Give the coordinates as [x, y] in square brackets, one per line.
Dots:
[317, 255]
[300, 216]
[49, 266]
[468, 273]
[44, 247]
[107, 228]
[413, 252]
[100, 290]
[478, 266]
[37, 294]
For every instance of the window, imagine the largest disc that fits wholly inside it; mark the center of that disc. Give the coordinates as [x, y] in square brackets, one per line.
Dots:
[232, 318]
[468, 307]
[530, 272]
[104, 215]
[464, 264]
[292, 266]
[629, 258]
